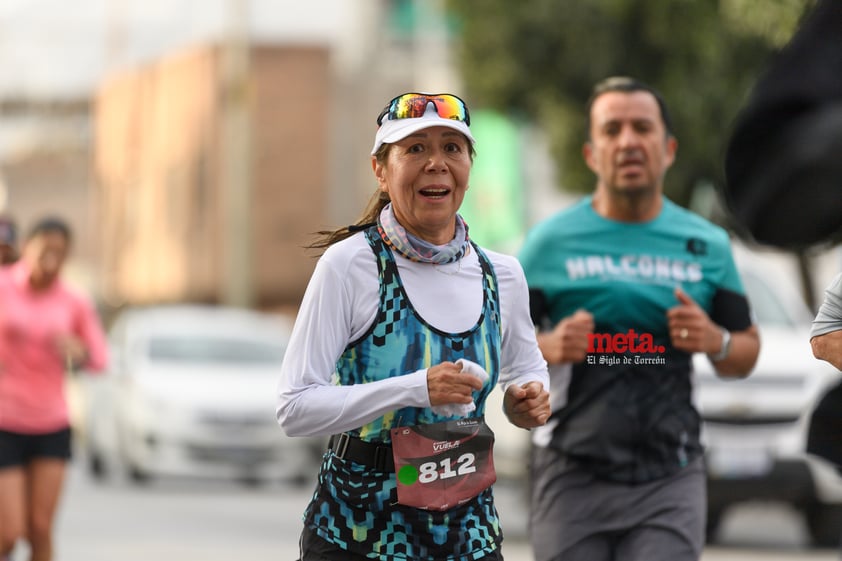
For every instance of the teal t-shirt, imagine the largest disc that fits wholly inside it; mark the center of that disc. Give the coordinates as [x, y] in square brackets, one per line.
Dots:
[626, 274]
[630, 419]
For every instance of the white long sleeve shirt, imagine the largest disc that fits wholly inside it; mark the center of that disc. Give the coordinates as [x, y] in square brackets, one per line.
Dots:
[341, 303]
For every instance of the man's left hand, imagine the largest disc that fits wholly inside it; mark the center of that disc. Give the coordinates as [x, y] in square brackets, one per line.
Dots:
[690, 328]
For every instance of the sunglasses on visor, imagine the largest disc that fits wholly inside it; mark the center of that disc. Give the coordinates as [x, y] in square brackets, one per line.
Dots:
[414, 105]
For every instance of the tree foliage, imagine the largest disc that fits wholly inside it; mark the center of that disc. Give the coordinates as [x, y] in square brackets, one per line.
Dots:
[538, 59]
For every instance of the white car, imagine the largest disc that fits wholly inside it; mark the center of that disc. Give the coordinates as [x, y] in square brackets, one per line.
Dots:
[191, 392]
[755, 430]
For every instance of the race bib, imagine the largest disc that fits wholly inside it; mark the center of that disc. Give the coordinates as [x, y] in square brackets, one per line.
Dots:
[443, 465]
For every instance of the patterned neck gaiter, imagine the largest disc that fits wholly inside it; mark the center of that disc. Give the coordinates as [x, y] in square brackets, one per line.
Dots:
[416, 249]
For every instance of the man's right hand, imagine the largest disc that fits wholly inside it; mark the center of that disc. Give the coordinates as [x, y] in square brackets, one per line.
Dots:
[568, 341]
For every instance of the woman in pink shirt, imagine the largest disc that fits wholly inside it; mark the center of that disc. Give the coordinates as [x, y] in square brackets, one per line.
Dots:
[45, 328]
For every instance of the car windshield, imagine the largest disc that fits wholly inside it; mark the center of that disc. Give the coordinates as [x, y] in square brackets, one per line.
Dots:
[766, 305]
[213, 350]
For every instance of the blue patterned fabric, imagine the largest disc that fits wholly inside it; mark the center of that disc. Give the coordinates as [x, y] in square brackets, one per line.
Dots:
[355, 507]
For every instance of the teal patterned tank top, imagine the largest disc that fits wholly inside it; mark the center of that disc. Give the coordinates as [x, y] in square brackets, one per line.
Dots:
[356, 507]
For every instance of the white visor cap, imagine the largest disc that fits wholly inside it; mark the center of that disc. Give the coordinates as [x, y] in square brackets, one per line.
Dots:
[393, 130]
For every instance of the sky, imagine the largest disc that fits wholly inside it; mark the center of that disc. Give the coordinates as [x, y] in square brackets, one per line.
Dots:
[60, 48]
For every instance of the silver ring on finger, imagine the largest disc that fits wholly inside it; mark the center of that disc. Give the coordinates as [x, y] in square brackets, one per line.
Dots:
[683, 333]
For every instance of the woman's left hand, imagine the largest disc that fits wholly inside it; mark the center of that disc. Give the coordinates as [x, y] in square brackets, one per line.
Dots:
[527, 406]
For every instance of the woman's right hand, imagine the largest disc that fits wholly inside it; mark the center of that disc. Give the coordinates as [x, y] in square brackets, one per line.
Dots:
[568, 341]
[446, 383]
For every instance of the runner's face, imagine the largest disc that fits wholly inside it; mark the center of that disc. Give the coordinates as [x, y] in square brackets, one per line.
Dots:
[629, 149]
[45, 254]
[426, 176]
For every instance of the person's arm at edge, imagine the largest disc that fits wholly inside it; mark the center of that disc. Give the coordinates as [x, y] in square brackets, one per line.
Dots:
[828, 347]
[826, 332]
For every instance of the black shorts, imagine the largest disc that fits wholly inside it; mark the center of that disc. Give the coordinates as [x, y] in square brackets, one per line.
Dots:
[18, 449]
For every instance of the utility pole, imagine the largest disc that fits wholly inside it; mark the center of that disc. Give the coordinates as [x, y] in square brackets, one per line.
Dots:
[236, 154]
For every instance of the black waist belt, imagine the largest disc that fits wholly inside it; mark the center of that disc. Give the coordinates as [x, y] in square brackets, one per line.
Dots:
[376, 456]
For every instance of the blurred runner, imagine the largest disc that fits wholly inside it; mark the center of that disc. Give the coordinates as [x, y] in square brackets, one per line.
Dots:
[45, 329]
[627, 286]
[406, 327]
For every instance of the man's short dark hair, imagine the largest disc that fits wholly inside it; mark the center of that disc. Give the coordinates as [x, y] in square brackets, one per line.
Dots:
[627, 85]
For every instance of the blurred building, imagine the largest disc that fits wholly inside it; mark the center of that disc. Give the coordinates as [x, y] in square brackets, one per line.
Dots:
[209, 150]
[182, 147]
[214, 165]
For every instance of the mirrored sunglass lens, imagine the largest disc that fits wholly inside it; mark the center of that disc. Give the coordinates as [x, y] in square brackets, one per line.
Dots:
[449, 107]
[409, 107]
[414, 106]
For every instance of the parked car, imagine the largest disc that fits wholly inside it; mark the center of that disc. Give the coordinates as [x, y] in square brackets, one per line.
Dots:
[755, 430]
[191, 392]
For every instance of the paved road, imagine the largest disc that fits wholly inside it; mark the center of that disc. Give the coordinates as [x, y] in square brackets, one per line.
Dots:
[200, 521]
